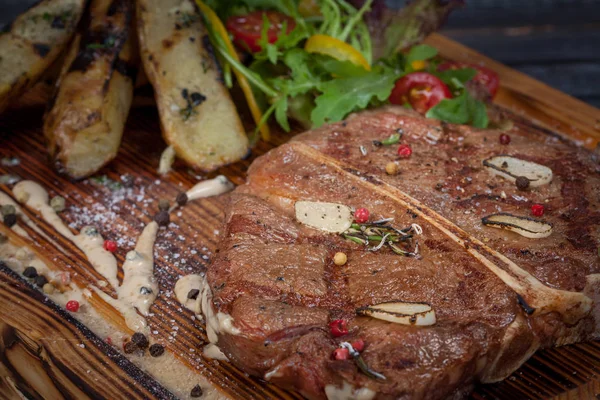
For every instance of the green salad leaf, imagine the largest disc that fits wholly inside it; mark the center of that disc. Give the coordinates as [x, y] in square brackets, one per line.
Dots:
[342, 96]
[463, 109]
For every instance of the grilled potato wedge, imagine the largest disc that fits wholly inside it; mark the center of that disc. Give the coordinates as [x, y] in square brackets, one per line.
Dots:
[197, 114]
[32, 42]
[85, 119]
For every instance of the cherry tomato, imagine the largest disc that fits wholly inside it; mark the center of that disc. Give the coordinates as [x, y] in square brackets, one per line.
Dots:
[341, 354]
[361, 215]
[421, 90]
[338, 327]
[485, 76]
[246, 29]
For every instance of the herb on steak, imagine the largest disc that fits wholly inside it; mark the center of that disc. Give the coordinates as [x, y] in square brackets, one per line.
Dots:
[376, 235]
[361, 364]
[393, 139]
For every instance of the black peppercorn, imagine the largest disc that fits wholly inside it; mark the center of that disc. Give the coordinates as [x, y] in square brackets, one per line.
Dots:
[157, 350]
[40, 280]
[163, 205]
[193, 294]
[140, 340]
[129, 347]
[182, 199]
[30, 272]
[522, 183]
[196, 391]
[184, 93]
[162, 218]
[10, 220]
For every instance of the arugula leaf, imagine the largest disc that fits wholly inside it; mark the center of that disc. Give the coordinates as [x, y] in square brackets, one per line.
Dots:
[338, 68]
[456, 78]
[463, 109]
[421, 52]
[281, 113]
[341, 96]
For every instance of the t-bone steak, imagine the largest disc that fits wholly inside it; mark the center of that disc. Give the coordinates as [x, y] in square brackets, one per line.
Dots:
[498, 294]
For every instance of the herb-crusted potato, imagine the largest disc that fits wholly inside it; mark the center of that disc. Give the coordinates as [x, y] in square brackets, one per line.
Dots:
[32, 42]
[197, 114]
[86, 117]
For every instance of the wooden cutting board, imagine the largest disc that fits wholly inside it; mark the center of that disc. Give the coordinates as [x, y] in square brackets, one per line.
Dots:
[47, 353]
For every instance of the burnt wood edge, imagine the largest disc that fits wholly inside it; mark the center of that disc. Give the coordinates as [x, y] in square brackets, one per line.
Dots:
[138, 376]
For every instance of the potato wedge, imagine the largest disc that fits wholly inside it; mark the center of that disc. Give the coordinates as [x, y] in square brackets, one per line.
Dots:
[197, 115]
[32, 42]
[85, 119]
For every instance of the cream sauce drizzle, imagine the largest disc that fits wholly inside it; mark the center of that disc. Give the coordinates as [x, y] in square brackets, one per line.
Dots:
[209, 188]
[88, 240]
[216, 323]
[139, 286]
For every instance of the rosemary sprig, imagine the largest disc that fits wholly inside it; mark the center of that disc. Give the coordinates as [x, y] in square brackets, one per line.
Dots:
[381, 233]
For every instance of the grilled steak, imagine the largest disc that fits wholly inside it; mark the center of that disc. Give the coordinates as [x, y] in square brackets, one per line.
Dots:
[498, 296]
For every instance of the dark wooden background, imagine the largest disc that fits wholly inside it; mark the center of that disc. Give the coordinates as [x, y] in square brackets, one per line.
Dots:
[555, 41]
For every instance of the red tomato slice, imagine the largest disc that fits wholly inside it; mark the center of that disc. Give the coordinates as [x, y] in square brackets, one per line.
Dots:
[485, 76]
[246, 29]
[421, 90]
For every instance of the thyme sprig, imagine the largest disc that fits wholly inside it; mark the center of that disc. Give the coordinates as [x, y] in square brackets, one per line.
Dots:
[376, 235]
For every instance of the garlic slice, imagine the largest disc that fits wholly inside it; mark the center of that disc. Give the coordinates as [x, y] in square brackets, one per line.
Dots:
[511, 168]
[524, 226]
[401, 312]
[328, 217]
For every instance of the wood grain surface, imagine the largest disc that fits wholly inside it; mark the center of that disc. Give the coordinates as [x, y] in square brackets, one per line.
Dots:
[31, 327]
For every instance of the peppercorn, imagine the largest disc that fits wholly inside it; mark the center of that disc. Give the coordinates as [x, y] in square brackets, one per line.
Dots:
[163, 205]
[157, 350]
[10, 220]
[537, 210]
[193, 294]
[30, 272]
[340, 258]
[8, 209]
[338, 327]
[358, 345]
[57, 203]
[48, 288]
[162, 218]
[341, 354]
[361, 215]
[182, 199]
[391, 168]
[504, 139]
[40, 281]
[404, 151]
[129, 347]
[110, 245]
[196, 391]
[72, 305]
[522, 183]
[140, 340]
